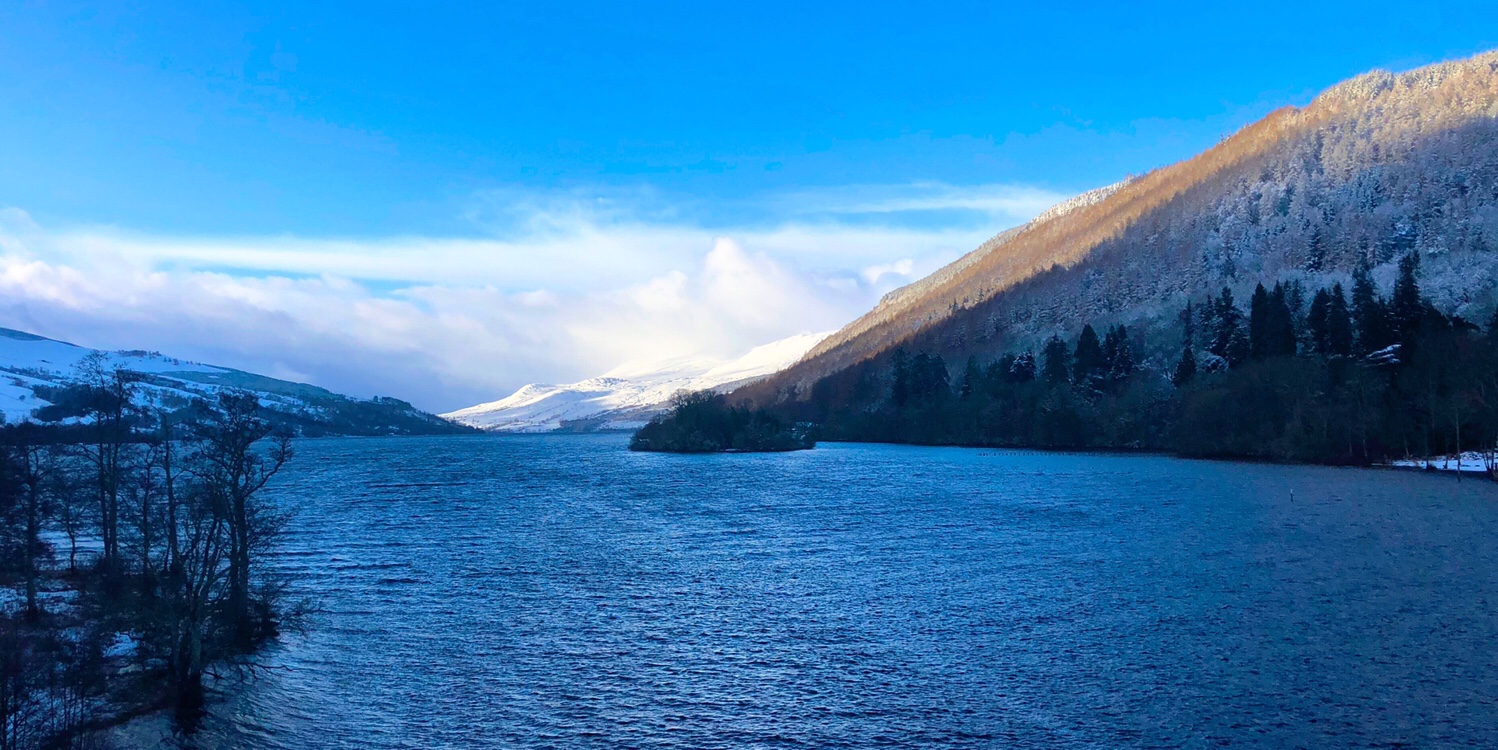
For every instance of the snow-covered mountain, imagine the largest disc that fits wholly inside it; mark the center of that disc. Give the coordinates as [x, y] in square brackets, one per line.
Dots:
[1372, 169]
[629, 395]
[35, 370]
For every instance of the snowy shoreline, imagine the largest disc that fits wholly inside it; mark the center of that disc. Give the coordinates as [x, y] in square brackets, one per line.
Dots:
[1470, 463]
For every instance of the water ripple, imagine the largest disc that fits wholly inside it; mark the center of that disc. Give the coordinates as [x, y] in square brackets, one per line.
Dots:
[563, 592]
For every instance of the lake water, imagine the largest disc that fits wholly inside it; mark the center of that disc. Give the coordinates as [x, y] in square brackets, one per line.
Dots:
[564, 592]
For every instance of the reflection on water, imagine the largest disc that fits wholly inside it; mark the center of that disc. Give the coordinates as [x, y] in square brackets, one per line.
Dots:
[564, 592]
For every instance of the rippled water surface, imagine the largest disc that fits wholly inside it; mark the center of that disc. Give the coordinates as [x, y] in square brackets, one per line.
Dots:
[564, 592]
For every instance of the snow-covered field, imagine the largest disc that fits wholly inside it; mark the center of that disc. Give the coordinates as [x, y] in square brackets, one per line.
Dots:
[629, 395]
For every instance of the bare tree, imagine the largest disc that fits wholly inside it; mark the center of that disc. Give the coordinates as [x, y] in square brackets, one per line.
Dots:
[194, 585]
[109, 394]
[34, 470]
[234, 473]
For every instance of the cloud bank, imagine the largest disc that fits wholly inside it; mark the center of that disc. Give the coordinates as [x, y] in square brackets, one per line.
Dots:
[559, 288]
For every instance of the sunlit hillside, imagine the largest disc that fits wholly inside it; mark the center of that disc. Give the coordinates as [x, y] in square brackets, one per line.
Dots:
[1373, 167]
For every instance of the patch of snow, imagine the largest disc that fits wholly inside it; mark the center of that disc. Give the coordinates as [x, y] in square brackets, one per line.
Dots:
[1388, 355]
[1474, 462]
[627, 396]
[123, 646]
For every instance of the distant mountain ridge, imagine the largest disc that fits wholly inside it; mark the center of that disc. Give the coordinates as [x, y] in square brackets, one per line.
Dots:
[34, 369]
[1374, 167]
[626, 397]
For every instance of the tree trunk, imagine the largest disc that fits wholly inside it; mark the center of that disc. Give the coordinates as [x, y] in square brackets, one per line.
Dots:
[239, 582]
[189, 674]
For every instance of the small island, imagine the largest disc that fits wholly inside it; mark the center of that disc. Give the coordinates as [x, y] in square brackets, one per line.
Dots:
[703, 422]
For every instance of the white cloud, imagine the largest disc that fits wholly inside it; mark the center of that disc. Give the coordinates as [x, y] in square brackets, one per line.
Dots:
[901, 268]
[567, 290]
[1009, 204]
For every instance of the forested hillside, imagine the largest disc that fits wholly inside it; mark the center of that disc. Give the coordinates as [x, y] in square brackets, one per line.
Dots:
[1373, 169]
[1348, 376]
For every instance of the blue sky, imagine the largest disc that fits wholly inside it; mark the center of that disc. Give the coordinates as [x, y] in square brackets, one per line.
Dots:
[414, 154]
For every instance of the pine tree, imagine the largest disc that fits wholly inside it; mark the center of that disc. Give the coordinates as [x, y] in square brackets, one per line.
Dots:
[970, 376]
[1369, 314]
[938, 380]
[1280, 326]
[1258, 323]
[1405, 306]
[1316, 253]
[927, 377]
[1022, 370]
[1206, 326]
[1185, 368]
[1120, 356]
[1295, 301]
[1229, 340]
[900, 392]
[1237, 348]
[1056, 368]
[1339, 340]
[1316, 322]
[1088, 363]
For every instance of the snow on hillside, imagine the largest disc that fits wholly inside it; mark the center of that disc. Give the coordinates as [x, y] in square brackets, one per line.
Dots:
[898, 301]
[629, 395]
[28, 362]
[32, 367]
[1371, 170]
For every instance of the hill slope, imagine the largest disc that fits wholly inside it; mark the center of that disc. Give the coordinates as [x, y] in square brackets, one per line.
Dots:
[34, 370]
[1373, 168]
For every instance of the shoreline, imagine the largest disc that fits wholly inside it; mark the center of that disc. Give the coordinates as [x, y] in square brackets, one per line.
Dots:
[1472, 469]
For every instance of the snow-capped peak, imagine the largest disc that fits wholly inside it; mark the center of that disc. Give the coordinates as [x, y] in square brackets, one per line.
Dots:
[630, 394]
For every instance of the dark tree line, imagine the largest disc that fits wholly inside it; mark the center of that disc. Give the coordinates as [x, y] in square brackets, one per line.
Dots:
[125, 518]
[703, 422]
[1329, 376]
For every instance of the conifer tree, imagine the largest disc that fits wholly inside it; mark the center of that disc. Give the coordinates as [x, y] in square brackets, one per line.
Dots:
[1119, 354]
[1369, 314]
[1205, 330]
[900, 392]
[1316, 252]
[1405, 306]
[1339, 339]
[1088, 363]
[1229, 340]
[970, 377]
[1022, 370]
[935, 380]
[1056, 365]
[1316, 323]
[1185, 368]
[1258, 323]
[1281, 324]
[1271, 327]
[1237, 348]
